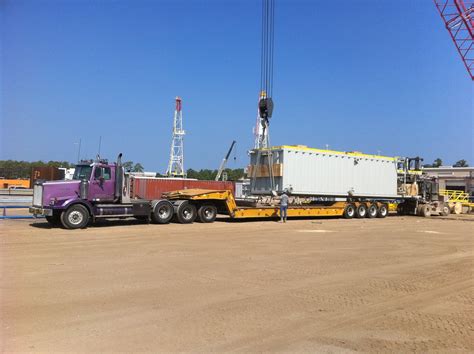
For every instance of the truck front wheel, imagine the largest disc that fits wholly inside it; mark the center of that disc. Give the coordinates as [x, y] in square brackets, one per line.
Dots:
[75, 217]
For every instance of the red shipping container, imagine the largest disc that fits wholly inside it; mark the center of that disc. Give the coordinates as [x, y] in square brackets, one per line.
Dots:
[152, 188]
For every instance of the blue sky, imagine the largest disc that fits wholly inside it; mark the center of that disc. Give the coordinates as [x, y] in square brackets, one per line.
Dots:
[357, 75]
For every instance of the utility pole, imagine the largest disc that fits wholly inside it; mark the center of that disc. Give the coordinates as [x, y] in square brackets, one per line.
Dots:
[100, 142]
[78, 150]
[176, 162]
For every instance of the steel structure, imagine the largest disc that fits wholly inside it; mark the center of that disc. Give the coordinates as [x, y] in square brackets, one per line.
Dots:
[176, 162]
[458, 16]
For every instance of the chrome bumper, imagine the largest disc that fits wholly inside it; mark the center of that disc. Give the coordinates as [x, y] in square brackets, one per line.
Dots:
[41, 211]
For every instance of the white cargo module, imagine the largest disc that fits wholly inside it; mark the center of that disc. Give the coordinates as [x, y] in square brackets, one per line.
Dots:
[313, 172]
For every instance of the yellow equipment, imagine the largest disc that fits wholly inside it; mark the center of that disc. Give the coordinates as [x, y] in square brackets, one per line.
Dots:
[456, 198]
[225, 203]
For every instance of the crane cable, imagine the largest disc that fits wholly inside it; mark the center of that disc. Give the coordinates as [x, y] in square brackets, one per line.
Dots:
[266, 80]
[266, 60]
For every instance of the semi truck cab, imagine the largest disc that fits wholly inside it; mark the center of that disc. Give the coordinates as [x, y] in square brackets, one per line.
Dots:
[98, 190]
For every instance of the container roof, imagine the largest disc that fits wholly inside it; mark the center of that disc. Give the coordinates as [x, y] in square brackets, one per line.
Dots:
[347, 153]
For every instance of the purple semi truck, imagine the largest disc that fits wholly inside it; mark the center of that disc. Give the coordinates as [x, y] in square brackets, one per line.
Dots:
[98, 190]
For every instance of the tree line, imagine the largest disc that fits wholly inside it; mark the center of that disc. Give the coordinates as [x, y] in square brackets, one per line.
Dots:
[438, 162]
[206, 174]
[22, 169]
[12, 169]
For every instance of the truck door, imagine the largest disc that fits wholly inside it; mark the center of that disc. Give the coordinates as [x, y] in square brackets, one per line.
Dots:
[102, 186]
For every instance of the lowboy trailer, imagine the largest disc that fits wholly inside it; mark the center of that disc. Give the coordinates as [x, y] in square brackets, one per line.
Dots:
[204, 205]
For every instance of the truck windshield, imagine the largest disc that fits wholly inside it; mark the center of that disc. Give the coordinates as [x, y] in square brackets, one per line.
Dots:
[82, 172]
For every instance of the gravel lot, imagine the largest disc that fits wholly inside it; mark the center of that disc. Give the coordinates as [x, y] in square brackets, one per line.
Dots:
[374, 285]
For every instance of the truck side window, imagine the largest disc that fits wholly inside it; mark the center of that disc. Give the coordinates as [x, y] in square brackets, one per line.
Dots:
[102, 171]
[106, 173]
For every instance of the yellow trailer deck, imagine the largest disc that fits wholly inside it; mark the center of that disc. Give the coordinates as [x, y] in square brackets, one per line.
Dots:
[203, 198]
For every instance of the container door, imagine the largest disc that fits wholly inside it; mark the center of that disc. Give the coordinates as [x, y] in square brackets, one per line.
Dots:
[102, 186]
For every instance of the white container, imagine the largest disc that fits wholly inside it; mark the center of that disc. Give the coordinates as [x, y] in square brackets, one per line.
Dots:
[314, 172]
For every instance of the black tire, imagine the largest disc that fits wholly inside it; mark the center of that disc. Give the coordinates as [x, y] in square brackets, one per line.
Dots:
[361, 211]
[55, 219]
[382, 210]
[207, 213]
[401, 209]
[349, 211]
[75, 217]
[185, 212]
[372, 211]
[162, 212]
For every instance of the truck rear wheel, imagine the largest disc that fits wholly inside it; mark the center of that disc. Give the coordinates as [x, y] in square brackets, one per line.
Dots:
[207, 213]
[162, 212]
[349, 211]
[383, 210]
[372, 211]
[75, 217]
[185, 212]
[361, 211]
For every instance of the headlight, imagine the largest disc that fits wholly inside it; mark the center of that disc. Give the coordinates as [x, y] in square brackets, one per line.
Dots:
[53, 201]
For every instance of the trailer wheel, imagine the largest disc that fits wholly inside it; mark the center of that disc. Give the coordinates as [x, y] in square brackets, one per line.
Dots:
[162, 212]
[207, 213]
[361, 211]
[372, 211]
[186, 212]
[383, 211]
[75, 217]
[349, 211]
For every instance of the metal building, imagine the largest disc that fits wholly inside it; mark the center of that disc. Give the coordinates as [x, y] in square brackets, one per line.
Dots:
[453, 178]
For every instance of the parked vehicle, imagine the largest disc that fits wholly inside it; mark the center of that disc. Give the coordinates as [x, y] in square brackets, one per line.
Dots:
[102, 190]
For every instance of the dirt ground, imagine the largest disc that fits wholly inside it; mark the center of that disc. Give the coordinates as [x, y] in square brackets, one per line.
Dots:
[329, 285]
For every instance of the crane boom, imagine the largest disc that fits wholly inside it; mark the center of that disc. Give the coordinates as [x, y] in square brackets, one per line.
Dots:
[458, 16]
[224, 162]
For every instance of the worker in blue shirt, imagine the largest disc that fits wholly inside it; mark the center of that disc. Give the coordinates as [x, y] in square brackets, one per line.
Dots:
[283, 206]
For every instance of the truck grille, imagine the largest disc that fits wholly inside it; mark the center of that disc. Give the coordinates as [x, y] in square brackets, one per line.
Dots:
[38, 195]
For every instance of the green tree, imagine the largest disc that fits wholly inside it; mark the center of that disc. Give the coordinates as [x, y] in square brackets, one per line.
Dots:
[128, 165]
[461, 163]
[438, 162]
[192, 173]
[138, 167]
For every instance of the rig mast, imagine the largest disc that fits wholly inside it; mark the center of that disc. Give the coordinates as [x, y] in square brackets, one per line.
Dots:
[176, 163]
